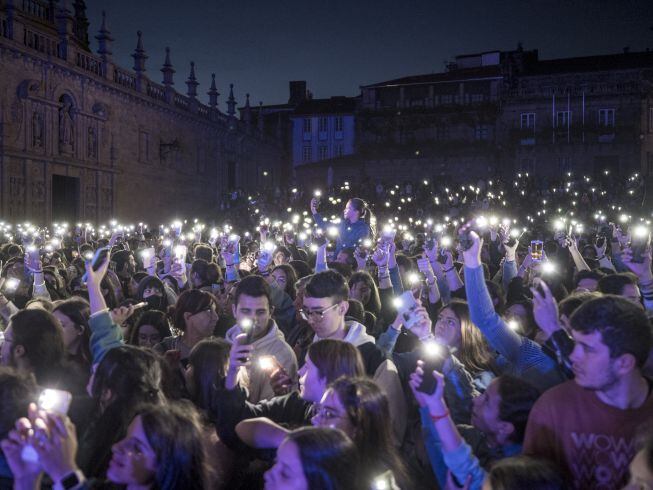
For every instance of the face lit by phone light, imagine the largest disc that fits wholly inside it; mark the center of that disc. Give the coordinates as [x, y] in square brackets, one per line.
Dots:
[252, 312]
[133, 462]
[447, 328]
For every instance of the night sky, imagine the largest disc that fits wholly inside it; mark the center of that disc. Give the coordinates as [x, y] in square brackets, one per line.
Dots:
[336, 46]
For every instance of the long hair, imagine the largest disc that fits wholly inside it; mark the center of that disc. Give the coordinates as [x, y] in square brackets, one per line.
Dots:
[474, 351]
[291, 278]
[374, 303]
[209, 359]
[365, 214]
[132, 376]
[152, 282]
[335, 358]
[369, 412]
[190, 301]
[525, 472]
[79, 311]
[174, 432]
[155, 318]
[329, 458]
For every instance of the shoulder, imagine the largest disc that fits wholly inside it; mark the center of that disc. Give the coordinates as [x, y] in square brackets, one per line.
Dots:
[560, 396]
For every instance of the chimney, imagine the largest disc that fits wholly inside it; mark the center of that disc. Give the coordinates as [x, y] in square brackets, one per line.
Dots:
[297, 92]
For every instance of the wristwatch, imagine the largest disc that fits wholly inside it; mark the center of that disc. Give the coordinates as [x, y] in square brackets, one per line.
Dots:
[70, 481]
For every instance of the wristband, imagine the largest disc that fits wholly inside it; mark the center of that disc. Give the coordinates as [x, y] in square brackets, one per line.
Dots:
[435, 418]
[264, 274]
[229, 265]
[386, 276]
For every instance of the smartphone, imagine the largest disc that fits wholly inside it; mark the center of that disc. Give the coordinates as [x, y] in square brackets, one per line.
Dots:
[55, 401]
[600, 241]
[429, 244]
[385, 481]
[180, 253]
[97, 260]
[442, 256]
[11, 284]
[537, 249]
[638, 243]
[148, 255]
[406, 306]
[247, 327]
[388, 235]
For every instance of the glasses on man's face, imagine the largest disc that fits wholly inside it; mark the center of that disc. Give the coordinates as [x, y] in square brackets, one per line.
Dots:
[317, 314]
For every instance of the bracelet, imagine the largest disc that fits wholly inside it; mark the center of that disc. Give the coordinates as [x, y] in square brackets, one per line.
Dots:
[435, 418]
[385, 276]
[265, 274]
[229, 265]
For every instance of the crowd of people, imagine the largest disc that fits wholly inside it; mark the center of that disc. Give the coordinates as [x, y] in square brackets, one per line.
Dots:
[485, 336]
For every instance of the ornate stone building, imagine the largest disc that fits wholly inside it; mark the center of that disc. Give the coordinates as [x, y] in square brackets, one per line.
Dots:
[84, 139]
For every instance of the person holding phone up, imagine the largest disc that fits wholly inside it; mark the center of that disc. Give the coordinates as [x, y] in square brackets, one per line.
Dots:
[358, 223]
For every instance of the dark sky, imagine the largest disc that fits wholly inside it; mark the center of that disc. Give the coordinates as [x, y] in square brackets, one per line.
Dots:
[338, 45]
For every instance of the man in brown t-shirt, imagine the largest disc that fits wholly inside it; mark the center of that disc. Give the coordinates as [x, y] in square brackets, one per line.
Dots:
[588, 426]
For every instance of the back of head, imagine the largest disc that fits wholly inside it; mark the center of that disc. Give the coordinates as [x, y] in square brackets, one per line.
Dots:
[255, 287]
[174, 432]
[623, 326]
[568, 305]
[133, 375]
[17, 391]
[356, 311]
[204, 252]
[329, 458]
[209, 359]
[301, 268]
[40, 334]
[523, 472]
[517, 399]
[327, 284]
[208, 272]
[615, 283]
[335, 358]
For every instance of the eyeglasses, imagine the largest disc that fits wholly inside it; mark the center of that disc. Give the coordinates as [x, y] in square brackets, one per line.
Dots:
[326, 413]
[319, 315]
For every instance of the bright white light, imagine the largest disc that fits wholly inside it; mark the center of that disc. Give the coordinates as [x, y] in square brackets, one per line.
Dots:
[641, 231]
[432, 348]
[446, 241]
[413, 278]
[513, 325]
[548, 267]
[266, 363]
[397, 303]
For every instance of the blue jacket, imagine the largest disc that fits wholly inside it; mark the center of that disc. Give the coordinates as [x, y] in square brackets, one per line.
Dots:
[349, 234]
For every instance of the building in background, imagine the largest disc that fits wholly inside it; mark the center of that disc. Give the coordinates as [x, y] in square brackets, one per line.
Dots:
[323, 129]
[82, 138]
[494, 113]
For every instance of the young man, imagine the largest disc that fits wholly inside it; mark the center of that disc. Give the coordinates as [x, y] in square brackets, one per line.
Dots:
[324, 308]
[588, 426]
[253, 305]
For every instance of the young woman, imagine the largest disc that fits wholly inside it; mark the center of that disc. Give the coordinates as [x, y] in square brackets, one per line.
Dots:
[161, 449]
[314, 458]
[359, 408]
[358, 223]
[73, 315]
[286, 278]
[363, 288]
[126, 378]
[195, 316]
[151, 329]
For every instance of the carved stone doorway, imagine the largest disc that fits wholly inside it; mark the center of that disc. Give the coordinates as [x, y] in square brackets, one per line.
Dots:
[65, 198]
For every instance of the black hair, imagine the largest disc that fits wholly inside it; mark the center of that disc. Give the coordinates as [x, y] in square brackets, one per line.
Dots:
[155, 318]
[204, 252]
[208, 272]
[520, 472]
[623, 326]
[132, 376]
[255, 287]
[209, 359]
[585, 274]
[17, 391]
[329, 458]
[327, 284]
[175, 434]
[40, 334]
[517, 399]
[568, 305]
[615, 283]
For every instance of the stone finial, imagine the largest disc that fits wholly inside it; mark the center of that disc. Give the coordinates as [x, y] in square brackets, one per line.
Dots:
[231, 101]
[104, 39]
[139, 55]
[213, 93]
[192, 82]
[167, 70]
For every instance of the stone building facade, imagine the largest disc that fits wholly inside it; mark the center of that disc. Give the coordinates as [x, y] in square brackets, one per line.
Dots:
[495, 113]
[84, 139]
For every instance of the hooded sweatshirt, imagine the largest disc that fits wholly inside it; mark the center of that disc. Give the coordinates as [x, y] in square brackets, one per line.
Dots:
[274, 344]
